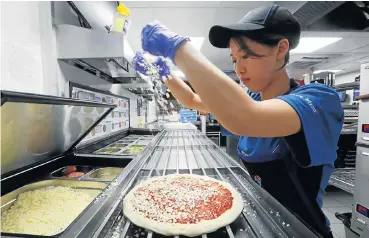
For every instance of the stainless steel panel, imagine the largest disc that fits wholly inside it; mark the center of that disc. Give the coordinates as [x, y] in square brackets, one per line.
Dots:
[364, 79]
[63, 172]
[33, 132]
[105, 174]
[261, 216]
[361, 195]
[363, 119]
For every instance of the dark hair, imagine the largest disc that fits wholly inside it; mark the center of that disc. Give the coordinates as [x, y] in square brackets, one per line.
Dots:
[263, 39]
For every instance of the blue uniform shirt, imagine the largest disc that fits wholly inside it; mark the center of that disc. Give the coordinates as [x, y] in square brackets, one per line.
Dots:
[321, 115]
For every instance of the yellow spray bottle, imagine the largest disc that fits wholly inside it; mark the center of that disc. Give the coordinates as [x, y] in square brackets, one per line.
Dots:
[120, 21]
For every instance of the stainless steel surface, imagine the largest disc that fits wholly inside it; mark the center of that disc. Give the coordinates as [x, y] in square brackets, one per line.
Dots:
[94, 188]
[118, 150]
[344, 179]
[59, 173]
[361, 195]
[360, 223]
[32, 132]
[76, 43]
[105, 174]
[363, 119]
[262, 215]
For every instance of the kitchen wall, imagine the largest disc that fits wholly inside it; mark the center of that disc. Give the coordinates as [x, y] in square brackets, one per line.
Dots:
[347, 78]
[21, 50]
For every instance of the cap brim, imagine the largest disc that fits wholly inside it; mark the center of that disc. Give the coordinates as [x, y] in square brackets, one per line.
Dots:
[219, 36]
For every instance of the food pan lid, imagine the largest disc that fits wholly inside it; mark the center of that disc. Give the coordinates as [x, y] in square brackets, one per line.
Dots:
[35, 128]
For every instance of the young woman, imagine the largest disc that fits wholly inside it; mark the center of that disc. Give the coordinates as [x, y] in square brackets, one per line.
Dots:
[287, 134]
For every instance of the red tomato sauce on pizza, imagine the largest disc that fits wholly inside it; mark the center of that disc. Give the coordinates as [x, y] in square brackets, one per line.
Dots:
[184, 200]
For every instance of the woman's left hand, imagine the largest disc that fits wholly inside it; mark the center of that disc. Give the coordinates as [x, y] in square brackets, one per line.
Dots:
[160, 41]
[163, 67]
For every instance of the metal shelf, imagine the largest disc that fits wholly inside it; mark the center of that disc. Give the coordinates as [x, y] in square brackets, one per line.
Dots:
[351, 119]
[189, 151]
[347, 86]
[350, 107]
[344, 179]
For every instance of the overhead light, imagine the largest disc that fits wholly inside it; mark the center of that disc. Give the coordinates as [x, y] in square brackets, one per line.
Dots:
[327, 70]
[311, 44]
[197, 42]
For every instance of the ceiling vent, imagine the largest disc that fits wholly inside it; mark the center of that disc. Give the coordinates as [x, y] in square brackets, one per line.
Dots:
[312, 11]
[315, 58]
[303, 64]
[348, 16]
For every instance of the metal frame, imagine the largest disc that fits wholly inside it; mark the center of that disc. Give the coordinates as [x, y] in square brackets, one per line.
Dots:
[8, 96]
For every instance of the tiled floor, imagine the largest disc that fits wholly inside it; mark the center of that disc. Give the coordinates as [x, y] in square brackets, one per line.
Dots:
[336, 200]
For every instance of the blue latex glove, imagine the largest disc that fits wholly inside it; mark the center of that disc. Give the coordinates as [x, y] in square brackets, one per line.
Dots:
[159, 40]
[140, 63]
[163, 67]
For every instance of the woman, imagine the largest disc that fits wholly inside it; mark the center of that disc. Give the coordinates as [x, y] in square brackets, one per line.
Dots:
[287, 134]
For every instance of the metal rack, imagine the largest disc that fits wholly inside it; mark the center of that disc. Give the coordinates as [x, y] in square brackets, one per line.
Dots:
[344, 179]
[189, 151]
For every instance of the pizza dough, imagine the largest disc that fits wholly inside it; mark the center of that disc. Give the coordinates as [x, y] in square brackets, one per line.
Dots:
[182, 204]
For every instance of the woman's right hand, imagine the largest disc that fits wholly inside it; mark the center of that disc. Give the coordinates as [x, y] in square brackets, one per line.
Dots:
[160, 41]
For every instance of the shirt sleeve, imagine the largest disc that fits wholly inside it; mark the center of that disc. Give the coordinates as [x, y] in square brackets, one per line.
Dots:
[321, 114]
[225, 132]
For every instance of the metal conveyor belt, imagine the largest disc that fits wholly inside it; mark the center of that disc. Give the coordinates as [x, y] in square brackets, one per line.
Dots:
[189, 151]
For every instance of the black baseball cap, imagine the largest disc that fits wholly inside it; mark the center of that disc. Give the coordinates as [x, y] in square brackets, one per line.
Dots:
[268, 20]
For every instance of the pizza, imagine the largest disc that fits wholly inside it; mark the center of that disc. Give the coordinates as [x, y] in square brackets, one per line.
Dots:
[182, 204]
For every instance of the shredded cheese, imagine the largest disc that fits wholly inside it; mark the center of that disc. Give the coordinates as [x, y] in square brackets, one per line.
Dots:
[46, 211]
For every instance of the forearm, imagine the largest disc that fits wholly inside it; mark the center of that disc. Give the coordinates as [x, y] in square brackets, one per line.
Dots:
[224, 98]
[184, 94]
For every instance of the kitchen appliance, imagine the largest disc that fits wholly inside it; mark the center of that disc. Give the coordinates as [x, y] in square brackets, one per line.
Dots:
[360, 210]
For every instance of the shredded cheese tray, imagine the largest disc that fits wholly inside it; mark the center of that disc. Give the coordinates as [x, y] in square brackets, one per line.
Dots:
[46, 211]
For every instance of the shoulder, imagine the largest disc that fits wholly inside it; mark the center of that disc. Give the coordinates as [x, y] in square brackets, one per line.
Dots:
[316, 94]
[318, 99]
[316, 90]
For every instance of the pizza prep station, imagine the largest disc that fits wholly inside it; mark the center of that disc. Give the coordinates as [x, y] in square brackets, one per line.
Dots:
[55, 161]
[190, 151]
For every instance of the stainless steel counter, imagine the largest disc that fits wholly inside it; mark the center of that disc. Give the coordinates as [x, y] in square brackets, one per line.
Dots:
[189, 151]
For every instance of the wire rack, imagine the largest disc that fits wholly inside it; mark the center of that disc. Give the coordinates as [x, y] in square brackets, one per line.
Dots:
[189, 151]
[344, 179]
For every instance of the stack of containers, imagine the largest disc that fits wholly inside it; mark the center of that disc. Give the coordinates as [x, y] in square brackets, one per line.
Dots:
[187, 115]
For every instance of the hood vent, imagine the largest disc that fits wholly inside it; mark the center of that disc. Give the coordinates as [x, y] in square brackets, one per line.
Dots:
[110, 58]
[313, 11]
